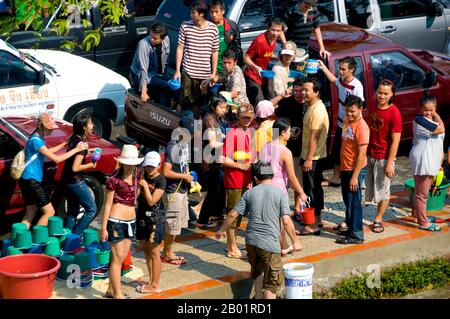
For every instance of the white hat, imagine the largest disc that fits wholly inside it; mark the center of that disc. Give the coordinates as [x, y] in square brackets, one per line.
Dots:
[129, 155]
[289, 48]
[152, 159]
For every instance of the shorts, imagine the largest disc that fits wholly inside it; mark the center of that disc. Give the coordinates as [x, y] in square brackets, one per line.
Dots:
[233, 196]
[119, 230]
[378, 185]
[151, 232]
[262, 261]
[177, 212]
[33, 192]
[191, 95]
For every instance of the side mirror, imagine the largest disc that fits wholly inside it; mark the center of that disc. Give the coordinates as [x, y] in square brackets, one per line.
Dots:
[436, 9]
[431, 79]
[41, 77]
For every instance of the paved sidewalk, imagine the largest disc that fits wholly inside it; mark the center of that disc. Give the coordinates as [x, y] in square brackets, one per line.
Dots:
[210, 274]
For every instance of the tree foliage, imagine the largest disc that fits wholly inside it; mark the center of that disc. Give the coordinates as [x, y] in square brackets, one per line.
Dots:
[34, 15]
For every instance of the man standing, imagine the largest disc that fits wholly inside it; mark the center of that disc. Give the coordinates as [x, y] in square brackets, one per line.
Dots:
[314, 151]
[302, 19]
[347, 84]
[149, 66]
[197, 51]
[258, 57]
[264, 205]
[229, 34]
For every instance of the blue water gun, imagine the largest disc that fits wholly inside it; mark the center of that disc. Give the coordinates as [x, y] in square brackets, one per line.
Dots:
[196, 187]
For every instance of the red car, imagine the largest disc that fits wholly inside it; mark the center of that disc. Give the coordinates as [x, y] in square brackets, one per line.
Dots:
[15, 132]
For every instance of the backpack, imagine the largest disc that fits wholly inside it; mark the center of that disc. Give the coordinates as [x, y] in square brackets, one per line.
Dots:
[18, 164]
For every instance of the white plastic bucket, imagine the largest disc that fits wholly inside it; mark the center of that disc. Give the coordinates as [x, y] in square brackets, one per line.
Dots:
[298, 280]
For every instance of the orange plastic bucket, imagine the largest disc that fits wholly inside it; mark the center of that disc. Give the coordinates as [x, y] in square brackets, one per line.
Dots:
[28, 276]
[308, 215]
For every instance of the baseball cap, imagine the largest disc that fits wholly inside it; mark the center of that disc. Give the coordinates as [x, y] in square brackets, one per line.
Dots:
[246, 110]
[187, 122]
[47, 121]
[289, 48]
[311, 2]
[264, 109]
[152, 159]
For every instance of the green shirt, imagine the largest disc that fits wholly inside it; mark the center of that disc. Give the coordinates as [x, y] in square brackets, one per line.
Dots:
[222, 46]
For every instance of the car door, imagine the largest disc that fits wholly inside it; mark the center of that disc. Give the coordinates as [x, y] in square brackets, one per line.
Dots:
[10, 199]
[410, 79]
[19, 92]
[406, 22]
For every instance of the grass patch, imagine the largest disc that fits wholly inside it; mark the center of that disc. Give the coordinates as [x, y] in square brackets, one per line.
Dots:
[395, 282]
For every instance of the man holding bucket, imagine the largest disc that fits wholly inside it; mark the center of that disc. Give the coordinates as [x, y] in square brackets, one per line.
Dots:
[264, 205]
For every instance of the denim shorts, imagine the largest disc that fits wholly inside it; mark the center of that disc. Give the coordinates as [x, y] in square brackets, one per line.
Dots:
[119, 230]
[146, 230]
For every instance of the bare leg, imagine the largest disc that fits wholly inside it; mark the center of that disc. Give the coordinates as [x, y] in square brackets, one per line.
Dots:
[30, 213]
[232, 242]
[47, 211]
[168, 243]
[269, 295]
[381, 209]
[118, 253]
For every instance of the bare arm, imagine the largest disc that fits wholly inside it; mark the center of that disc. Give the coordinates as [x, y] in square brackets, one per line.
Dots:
[179, 58]
[360, 161]
[78, 167]
[286, 156]
[330, 76]
[441, 128]
[57, 148]
[106, 212]
[229, 163]
[389, 168]
[248, 61]
[290, 229]
[323, 53]
[227, 223]
[313, 140]
[151, 199]
[214, 61]
[169, 173]
[60, 158]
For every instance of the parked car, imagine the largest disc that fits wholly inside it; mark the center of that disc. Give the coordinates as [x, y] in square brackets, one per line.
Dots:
[15, 132]
[63, 84]
[410, 23]
[116, 48]
[376, 58]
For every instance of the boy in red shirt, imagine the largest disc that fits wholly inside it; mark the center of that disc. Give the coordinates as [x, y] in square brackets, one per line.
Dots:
[236, 156]
[258, 57]
[385, 130]
[355, 138]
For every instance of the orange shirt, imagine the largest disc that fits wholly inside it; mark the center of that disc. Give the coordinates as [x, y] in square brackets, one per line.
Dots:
[353, 135]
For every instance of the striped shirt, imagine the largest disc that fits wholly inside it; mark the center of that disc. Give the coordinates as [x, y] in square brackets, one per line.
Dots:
[301, 25]
[199, 45]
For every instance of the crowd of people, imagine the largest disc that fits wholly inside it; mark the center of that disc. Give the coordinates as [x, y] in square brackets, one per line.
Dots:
[259, 138]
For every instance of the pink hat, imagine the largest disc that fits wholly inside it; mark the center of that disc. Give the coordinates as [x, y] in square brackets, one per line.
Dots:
[47, 121]
[264, 109]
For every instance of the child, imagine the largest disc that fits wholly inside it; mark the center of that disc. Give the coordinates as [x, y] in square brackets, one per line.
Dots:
[77, 192]
[30, 182]
[385, 125]
[425, 157]
[281, 80]
[355, 138]
[265, 117]
[149, 229]
[119, 215]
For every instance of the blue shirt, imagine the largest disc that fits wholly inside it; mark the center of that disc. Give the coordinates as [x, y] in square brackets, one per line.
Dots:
[36, 168]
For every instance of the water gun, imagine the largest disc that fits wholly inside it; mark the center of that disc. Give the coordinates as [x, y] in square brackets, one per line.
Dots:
[437, 181]
[96, 155]
[197, 187]
[241, 156]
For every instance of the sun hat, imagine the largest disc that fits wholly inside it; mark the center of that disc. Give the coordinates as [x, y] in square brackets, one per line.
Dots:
[47, 121]
[264, 109]
[152, 159]
[289, 48]
[129, 155]
[246, 110]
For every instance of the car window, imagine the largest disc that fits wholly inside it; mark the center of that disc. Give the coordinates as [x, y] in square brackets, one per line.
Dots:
[398, 68]
[326, 10]
[14, 72]
[359, 13]
[146, 7]
[401, 9]
[358, 70]
[255, 15]
[8, 145]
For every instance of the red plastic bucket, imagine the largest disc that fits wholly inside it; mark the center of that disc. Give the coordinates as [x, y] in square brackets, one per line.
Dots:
[28, 276]
[308, 215]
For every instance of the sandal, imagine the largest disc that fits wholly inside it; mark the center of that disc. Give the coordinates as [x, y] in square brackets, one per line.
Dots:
[111, 296]
[142, 290]
[436, 220]
[307, 233]
[287, 251]
[379, 226]
[432, 227]
[340, 227]
[173, 261]
[234, 255]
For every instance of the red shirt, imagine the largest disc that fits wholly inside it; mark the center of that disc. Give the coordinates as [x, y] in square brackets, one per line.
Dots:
[260, 52]
[236, 140]
[382, 124]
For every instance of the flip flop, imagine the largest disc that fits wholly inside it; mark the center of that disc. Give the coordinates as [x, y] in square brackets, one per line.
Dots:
[307, 233]
[143, 291]
[377, 225]
[432, 219]
[287, 251]
[176, 257]
[432, 227]
[235, 256]
[175, 261]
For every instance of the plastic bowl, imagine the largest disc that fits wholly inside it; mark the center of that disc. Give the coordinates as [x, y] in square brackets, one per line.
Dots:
[296, 74]
[174, 84]
[269, 74]
[215, 88]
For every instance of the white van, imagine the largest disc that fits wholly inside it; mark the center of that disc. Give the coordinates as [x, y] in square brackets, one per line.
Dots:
[63, 84]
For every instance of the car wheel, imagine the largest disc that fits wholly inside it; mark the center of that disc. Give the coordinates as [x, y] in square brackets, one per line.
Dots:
[102, 124]
[97, 191]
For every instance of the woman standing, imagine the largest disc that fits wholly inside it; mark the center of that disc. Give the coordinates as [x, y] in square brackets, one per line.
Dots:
[77, 191]
[119, 217]
[426, 157]
[280, 157]
[215, 129]
[30, 182]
